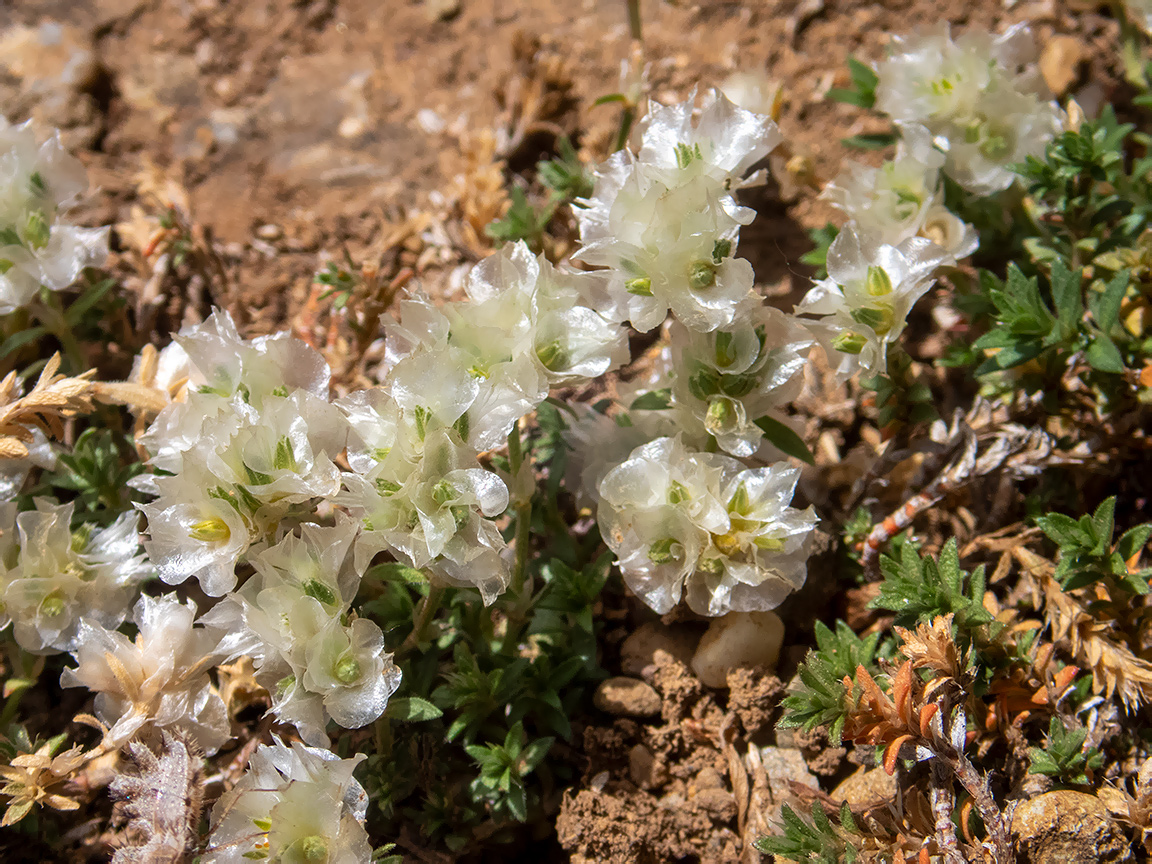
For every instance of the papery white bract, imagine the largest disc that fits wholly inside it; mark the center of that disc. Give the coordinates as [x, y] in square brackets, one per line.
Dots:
[37, 248]
[429, 502]
[863, 305]
[291, 618]
[701, 524]
[54, 575]
[664, 221]
[293, 804]
[160, 679]
[250, 445]
[903, 197]
[730, 378]
[981, 96]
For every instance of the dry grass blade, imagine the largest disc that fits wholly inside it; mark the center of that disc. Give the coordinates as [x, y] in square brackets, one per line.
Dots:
[53, 399]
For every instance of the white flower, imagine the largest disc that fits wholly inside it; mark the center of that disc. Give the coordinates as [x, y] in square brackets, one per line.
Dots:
[725, 142]
[864, 303]
[903, 197]
[664, 221]
[657, 515]
[730, 378]
[291, 619]
[296, 805]
[57, 575]
[703, 524]
[667, 246]
[37, 182]
[159, 679]
[982, 97]
[430, 503]
[762, 557]
[250, 446]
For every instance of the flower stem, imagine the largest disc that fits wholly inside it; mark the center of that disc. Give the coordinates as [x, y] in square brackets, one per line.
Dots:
[51, 314]
[425, 612]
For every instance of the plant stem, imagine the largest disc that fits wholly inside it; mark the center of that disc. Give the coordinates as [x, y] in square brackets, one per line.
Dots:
[523, 516]
[977, 786]
[425, 612]
[634, 19]
[51, 315]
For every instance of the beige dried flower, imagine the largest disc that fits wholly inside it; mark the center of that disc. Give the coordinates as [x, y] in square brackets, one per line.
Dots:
[54, 399]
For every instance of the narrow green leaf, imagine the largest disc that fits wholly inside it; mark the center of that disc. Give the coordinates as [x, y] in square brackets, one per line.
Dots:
[784, 438]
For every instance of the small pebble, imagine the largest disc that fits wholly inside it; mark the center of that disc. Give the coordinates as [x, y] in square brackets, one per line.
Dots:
[626, 696]
[738, 639]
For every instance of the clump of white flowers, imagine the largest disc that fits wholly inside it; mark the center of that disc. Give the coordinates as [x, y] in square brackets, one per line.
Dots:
[903, 198]
[704, 525]
[51, 576]
[459, 377]
[293, 804]
[160, 679]
[37, 248]
[863, 305]
[292, 618]
[250, 446]
[665, 222]
[981, 97]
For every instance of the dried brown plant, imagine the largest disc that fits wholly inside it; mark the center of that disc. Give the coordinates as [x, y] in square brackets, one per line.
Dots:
[54, 399]
[163, 799]
[39, 779]
[1090, 630]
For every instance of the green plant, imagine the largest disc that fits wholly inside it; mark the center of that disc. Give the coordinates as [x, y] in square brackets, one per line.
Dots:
[1064, 757]
[822, 699]
[1087, 554]
[819, 841]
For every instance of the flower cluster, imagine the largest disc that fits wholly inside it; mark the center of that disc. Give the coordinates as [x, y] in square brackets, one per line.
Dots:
[903, 198]
[982, 98]
[704, 525]
[52, 576]
[158, 680]
[37, 248]
[458, 379]
[863, 305]
[664, 221]
[291, 618]
[293, 804]
[250, 446]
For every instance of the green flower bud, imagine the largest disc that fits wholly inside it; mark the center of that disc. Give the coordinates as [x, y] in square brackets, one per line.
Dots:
[701, 275]
[319, 591]
[553, 355]
[721, 414]
[677, 494]
[52, 605]
[443, 492]
[640, 286]
[37, 230]
[721, 250]
[880, 320]
[214, 530]
[878, 283]
[347, 669]
[849, 342]
[662, 551]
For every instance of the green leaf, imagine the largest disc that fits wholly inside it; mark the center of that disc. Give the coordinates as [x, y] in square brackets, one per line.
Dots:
[870, 141]
[653, 400]
[394, 571]
[1106, 305]
[412, 709]
[610, 98]
[1103, 355]
[784, 438]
